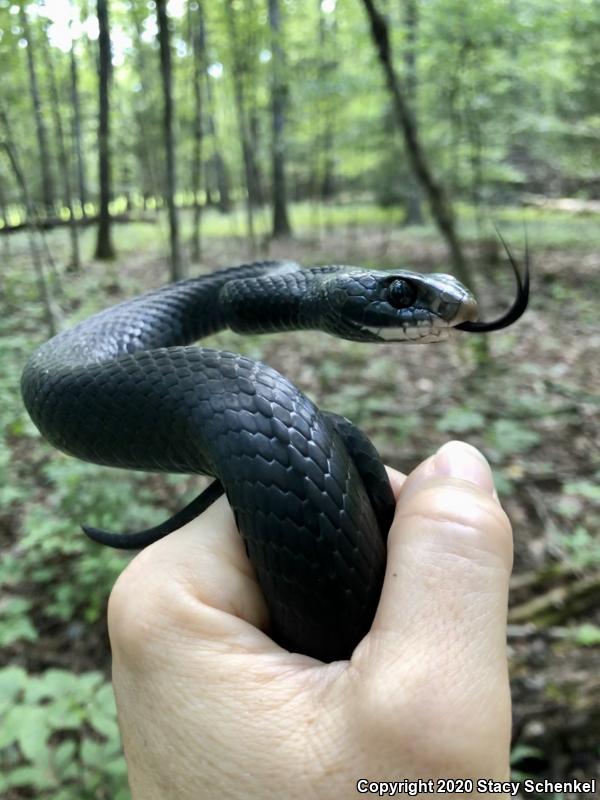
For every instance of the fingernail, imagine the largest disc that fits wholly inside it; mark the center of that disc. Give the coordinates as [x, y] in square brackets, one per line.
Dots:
[460, 460]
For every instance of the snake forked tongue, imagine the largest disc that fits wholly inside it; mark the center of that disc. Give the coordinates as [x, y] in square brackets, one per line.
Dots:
[520, 302]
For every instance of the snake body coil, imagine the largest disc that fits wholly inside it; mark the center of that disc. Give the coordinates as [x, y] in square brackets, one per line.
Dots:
[310, 495]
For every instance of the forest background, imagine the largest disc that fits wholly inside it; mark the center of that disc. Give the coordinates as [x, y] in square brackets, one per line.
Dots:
[141, 142]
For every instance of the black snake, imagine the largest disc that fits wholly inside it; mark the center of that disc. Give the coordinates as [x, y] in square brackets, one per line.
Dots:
[311, 497]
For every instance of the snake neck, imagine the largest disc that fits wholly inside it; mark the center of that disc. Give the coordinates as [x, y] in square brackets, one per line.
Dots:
[294, 300]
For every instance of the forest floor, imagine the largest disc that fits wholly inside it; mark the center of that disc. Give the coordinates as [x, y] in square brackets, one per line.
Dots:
[530, 403]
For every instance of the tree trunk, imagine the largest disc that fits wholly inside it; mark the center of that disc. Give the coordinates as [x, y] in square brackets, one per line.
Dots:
[248, 50]
[146, 153]
[222, 178]
[327, 67]
[216, 161]
[279, 90]
[197, 36]
[5, 224]
[254, 147]
[414, 215]
[104, 247]
[40, 127]
[76, 128]
[65, 167]
[440, 207]
[240, 103]
[8, 144]
[164, 40]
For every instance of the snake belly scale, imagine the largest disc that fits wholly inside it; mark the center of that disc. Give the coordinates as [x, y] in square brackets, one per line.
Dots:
[310, 495]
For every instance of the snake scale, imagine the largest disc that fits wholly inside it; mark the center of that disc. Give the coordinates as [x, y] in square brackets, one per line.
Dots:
[310, 495]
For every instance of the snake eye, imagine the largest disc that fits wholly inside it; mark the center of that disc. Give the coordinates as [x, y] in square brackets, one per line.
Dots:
[401, 294]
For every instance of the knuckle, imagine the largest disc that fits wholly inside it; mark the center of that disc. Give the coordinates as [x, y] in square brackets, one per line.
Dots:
[133, 607]
[475, 518]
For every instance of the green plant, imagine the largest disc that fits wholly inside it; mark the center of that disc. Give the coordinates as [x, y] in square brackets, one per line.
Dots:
[59, 736]
[15, 624]
[582, 549]
[461, 419]
[506, 437]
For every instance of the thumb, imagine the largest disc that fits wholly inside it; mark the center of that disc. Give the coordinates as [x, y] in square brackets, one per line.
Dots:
[444, 601]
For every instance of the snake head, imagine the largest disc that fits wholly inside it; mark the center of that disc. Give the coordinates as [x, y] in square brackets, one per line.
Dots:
[400, 306]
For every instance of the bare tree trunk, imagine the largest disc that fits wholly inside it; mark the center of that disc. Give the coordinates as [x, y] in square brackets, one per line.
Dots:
[279, 90]
[64, 161]
[146, 150]
[5, 222]
[217, 159]
[440, 207]
[411, 21]
[164, 39]
[198, 49]
[76, 128]
[40, 127]
[254, 136]
[327, 67]
[104, 247]
[8, 144]
[238, 86]
[248, 50]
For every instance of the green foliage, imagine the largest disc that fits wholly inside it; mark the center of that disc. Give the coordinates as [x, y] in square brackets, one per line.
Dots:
[514, 105]
[502, 482]
[15, 624]
[519, 754]
[461, 419]
[59, 736]
[55, 554]
[587, 635]
[585, 489]
[582, 548]
[507, 436]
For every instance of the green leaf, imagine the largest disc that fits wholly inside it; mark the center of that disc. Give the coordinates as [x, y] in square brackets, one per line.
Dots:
[587, 489]
[12, 681]
[64, 756]
[523, 751]
[587, 635]
[93, 754]
[54, 683]
[582, 549]
[507, 437]
[29, 776]
[15, 630]
[503, 484]
[460, 420]
[27, 725]
[16, 624]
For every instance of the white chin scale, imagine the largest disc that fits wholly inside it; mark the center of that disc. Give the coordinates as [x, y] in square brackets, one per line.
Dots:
[412, 335]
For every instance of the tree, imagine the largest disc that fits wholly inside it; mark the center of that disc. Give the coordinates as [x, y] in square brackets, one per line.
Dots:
[242, 122]
[104, 246]
[40, 125]
[440, 207]
[148, 138]
[76, 129]
[65, 166]
[216, 162]
[281, 225]
[164, 40]
[10, 148]
[199, 68]
[328, 66]
[411, 21]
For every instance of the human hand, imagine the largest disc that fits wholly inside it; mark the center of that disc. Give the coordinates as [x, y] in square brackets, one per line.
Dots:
[210, 707]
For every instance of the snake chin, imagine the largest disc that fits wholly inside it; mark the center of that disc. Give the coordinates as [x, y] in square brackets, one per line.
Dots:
[411, 335]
